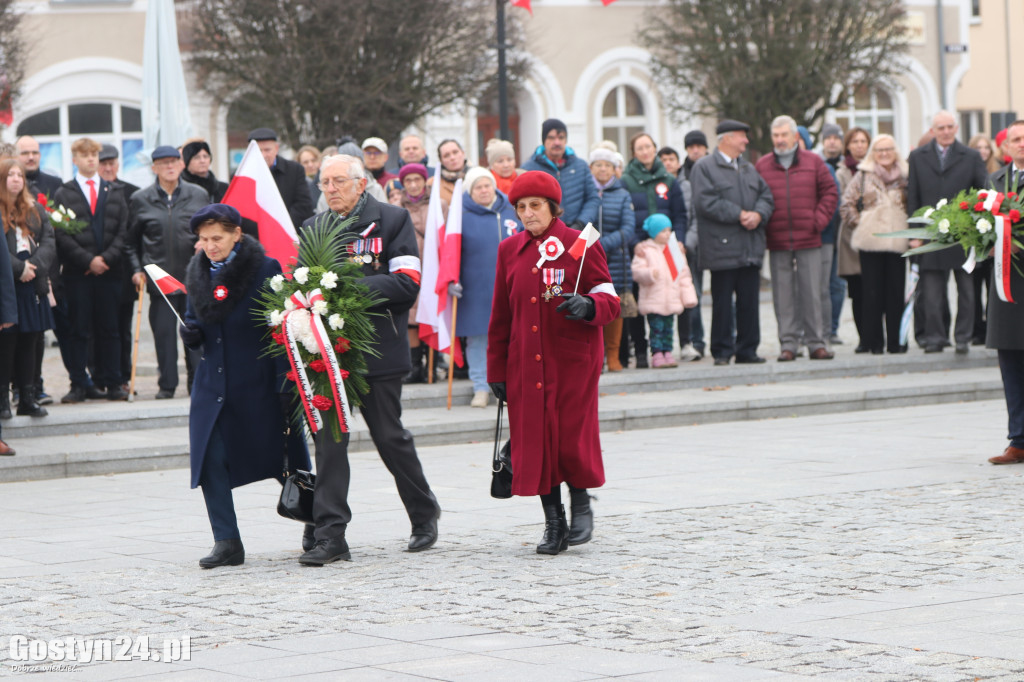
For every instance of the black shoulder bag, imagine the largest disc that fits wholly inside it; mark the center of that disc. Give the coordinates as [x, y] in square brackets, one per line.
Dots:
[501, 465]
[296, 501]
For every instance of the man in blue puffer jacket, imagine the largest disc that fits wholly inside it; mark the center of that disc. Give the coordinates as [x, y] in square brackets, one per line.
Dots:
[556, 158]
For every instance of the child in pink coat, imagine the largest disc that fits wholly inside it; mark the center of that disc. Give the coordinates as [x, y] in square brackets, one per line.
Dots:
[666, 287]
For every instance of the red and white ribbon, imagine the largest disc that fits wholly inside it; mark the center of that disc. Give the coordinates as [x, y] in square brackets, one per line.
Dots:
[323, 343]
[992, 200]
[1001, 259]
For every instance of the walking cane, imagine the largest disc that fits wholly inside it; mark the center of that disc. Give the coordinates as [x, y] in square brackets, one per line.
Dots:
[430, 365]
[135, 347]
[451, 351]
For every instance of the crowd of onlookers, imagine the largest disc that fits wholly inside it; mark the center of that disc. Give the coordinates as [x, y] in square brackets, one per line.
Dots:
[665, 217]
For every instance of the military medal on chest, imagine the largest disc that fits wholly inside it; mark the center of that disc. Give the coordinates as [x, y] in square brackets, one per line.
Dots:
[356, 249]
[376, 246]
[553, 278]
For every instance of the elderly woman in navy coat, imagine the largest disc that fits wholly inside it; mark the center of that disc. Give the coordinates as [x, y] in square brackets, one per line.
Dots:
[237, 417]
[487, 219]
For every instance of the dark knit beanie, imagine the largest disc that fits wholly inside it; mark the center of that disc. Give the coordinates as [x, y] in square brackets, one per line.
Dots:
[549, 125]
[193, 148]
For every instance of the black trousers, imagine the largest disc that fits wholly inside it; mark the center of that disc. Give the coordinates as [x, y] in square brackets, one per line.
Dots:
[744, 284]
[92, 309]
[982, 277]
[1011, 366]
[933, 300]
[883, 278]
[853, 290]
[18, 359]
[165, 338]
[690, 324]
[382, 410]
[634, 328]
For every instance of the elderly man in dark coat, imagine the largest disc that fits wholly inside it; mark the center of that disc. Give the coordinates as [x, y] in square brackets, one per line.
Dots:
[940, 170]
[392, 272]
[733, 205]
[288, 175]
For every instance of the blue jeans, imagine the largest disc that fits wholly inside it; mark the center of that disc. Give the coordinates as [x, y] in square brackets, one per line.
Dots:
[476, 353]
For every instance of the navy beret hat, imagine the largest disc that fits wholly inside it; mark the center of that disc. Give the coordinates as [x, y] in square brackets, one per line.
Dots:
[214, 212]
[165, 151]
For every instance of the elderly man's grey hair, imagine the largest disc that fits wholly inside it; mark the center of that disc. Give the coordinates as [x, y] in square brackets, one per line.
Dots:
[784, 120]
[355, 166]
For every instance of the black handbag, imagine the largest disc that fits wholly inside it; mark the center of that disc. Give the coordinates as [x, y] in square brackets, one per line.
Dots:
[296, 501]
[501, 466]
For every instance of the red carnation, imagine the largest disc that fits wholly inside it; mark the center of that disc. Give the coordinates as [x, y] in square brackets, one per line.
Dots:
[322, 403]
[1012, 195]
[979, 207]
[342, 345]
[963, 205]
[1014, 215]
[318, 365]
[292, 376]
[278, 338]
[344, 373]
[41, 198]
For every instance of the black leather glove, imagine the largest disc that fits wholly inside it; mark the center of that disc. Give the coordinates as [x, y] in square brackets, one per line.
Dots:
[498, 389]
[578, 307]
[191, 335]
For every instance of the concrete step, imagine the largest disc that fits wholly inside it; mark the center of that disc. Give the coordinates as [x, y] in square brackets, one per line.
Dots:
[106, 448]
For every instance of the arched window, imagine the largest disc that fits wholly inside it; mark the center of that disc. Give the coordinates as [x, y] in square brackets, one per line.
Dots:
[106, 122]
[867, 108]
[622, 116]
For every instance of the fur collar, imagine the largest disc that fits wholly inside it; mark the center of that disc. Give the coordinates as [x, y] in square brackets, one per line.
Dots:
[236, 276]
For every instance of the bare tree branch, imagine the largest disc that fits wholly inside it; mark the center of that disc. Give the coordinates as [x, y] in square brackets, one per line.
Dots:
[13, 54]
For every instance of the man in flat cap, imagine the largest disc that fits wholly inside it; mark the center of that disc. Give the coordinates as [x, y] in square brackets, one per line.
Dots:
[288, 175]
[556, 158]
[733, 205]
[161, 234]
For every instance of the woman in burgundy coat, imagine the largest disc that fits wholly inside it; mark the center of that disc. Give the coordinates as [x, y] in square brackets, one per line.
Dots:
[545, 351]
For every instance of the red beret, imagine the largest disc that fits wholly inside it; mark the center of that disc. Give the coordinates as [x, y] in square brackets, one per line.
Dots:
[535, 184]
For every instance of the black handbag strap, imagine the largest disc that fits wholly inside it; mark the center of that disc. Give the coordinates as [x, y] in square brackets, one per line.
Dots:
[496, 462]
[284, 466]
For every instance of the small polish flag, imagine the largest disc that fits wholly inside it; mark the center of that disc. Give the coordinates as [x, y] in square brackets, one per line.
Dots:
[163, 281]
[587, 237]
[674, 256]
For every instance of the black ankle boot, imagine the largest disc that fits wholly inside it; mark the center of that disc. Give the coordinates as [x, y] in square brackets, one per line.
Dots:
[308, 541]
[582, 526]
[556, 531]
[5, 404]
[417, 375]
[27, 405]
[224, 553]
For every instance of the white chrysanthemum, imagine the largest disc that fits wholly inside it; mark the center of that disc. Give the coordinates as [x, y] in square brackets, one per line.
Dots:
[277, 282]
[276, 318]
[928, 213]
[942, 202]
[71, 214]
[329, 280]
[320, 307]
[944, 226]
[301, 275]
[336, 322]
[288, 305]
[309, 343]
[984, 226]
[56, 217]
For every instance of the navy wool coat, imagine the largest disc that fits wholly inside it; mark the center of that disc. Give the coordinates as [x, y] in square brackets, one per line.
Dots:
[615, 222]
[236, 387]
[482, 230]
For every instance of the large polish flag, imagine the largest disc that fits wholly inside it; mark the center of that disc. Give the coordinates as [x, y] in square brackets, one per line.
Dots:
[254, 193]
[434, 312]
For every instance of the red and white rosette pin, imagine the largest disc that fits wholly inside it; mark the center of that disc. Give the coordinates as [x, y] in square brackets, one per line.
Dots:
[550, 249]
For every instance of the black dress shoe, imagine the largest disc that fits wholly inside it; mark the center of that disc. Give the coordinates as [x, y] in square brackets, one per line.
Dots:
[224, 553]
[556, 531]
[95, 393]
[581, 525]
[424, 535]
[164, 394]
[117, 393]
[861, 349]
[721, 361]
[308, 541]
[326, 551]
[30, 408]
[749, 360]
[962, 349]
[933, 349]
[75, 395]
[5, 407]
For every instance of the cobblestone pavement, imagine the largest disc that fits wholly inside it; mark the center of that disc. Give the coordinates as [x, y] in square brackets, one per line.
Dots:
[869, 546]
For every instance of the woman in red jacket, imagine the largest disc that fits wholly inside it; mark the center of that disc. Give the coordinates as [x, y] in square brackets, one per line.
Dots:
[545, 351]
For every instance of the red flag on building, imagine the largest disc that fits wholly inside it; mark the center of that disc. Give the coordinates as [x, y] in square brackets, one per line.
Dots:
[525, 4]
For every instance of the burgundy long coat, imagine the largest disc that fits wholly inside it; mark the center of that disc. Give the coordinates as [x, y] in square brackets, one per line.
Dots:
[550, 365]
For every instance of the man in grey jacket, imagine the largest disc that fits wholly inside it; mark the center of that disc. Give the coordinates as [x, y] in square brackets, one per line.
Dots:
[733, 205]
[160, 234]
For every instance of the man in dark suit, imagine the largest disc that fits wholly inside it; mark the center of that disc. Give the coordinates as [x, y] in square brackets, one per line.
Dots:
[1005, 331]
[91, 264]
[939, 170]
[38, 181]
[289, 176]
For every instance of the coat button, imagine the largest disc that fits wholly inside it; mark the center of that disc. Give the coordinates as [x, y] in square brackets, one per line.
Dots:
[533, 299]
[218, 339]
[537, 357]
[220, 399]
[534, 271]
[220, 370]
[534, 328]
[539, 386]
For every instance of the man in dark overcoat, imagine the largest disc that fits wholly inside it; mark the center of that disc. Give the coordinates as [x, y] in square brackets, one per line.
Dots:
[391, 266]
[289, 176]
[1005, 331]
[940, 170]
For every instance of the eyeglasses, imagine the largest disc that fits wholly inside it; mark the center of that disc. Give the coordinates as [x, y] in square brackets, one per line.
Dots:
[327, 183]
[885, 150]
